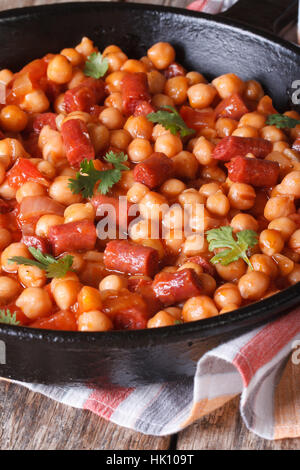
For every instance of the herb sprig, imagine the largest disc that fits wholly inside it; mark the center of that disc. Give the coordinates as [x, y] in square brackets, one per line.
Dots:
[8, 318]
[170, 120]
[96, 65]
[52, 266]
[236, 248]
[88, 176]
[281, 121]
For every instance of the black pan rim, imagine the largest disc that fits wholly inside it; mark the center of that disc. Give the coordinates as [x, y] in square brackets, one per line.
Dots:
[252, 314]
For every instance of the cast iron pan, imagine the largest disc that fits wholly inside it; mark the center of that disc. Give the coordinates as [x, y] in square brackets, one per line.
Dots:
[212, 45]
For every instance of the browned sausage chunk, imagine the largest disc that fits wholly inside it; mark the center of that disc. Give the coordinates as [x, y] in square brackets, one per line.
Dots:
[172, 288]
[259, 173]
[129, 258]
[154, 171]
[234, 146]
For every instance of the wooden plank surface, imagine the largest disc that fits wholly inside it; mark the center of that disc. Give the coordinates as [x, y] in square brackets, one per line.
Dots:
[31, 421]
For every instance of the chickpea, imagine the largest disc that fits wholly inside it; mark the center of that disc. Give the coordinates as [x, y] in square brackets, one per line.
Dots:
[227, 294]
[59, 69]
[47, 169]
[264, 264]
[254, 119]
[115, 61]
[156, 245]
[218, 204]
[279, 206]
[30, 189]
[161, 54]
[141, 230]
[113, 282]
[52, 146]
[194, 245]
[284, 162]
[225, 126]
[112, 118]
[86, 47]
[270, 242]
[243, 222]
[172, 188]
[35, 102]
[254, 90]
[65, 293]
[194, 266]
[284, 225]
[232, 271]
[160, 319]
[79, 212]
[174, 217]
[5, 76]
[9, 289]
[245, 131]
[201, 95]
[114, 81]
[139, 150]
[45, 222]
[120, 139]
[153, 206]
[203, 151]
[5, 238]
[10, 150]
[60, 191]
[160, 100]
[139, 126]
[111, 49]
[94, 320]
[190, 198]
[290, 184]
[228, 84]
[174, 311]
[134, 66]
[195, 77]
[14, 249]
[13, 119]
[253, 285]
[35, 302]
[73, 56]
[284, 264]
[185, 165]
[156, 82]
[213, 172]
[294, 241]
[208, 284]
[177, 89]
[241, 196]
[7, 191]
[294, 276]
[99, 135]
[31, 276]
[2, 173]
[273, 134]
[168, 144]
[198, 308]
[114, 100]
[174, 240]
[209, 189]
[136, 193]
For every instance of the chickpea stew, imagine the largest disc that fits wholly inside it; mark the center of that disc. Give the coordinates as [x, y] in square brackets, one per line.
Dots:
[135, 194]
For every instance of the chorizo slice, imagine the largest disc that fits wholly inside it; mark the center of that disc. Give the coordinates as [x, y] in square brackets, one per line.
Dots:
[172, 288]
[130, 258]
[73, 236]
[234, 146]
[77, 142]
[154, 171]
[134, 89]
[232, 107]
[258, 173]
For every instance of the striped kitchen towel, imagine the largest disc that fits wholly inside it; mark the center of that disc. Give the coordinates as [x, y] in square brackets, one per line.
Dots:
[262, 366]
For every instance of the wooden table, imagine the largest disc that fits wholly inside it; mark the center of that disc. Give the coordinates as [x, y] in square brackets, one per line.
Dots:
[31, 421]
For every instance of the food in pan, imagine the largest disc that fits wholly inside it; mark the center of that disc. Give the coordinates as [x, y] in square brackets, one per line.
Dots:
[135, 194]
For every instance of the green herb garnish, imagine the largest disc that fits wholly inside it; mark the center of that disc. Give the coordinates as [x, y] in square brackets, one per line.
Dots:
[88, 176]
[236, 248]
[8, 318]
[96, 66]
[52, 266]
[172, 121]
[281, 121]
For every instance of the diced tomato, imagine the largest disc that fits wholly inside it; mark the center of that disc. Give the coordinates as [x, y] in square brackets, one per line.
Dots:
[77, 142]
[197, 119]
[26, 81]
[143, 108]
[89, 298]
[63, 320]
[37, 242]
[128, 311]
[174, 70]
[232, 107]
[44, 119]
[24, 171]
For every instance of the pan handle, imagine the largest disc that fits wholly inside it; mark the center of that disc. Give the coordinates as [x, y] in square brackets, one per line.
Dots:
[270, 15]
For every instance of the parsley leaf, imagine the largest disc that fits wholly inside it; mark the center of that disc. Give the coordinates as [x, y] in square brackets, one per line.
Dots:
[53, 267]
[171, 121]
[236, 248]
[96, 66]
[281, 121]
[88, 176]
[8, 318]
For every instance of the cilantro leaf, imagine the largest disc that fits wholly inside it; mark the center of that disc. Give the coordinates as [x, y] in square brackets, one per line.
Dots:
[8, 318]
[235, 248]
[96, 66]
[170, 120]
[281, 121]
[88, 176]
[52, 266]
